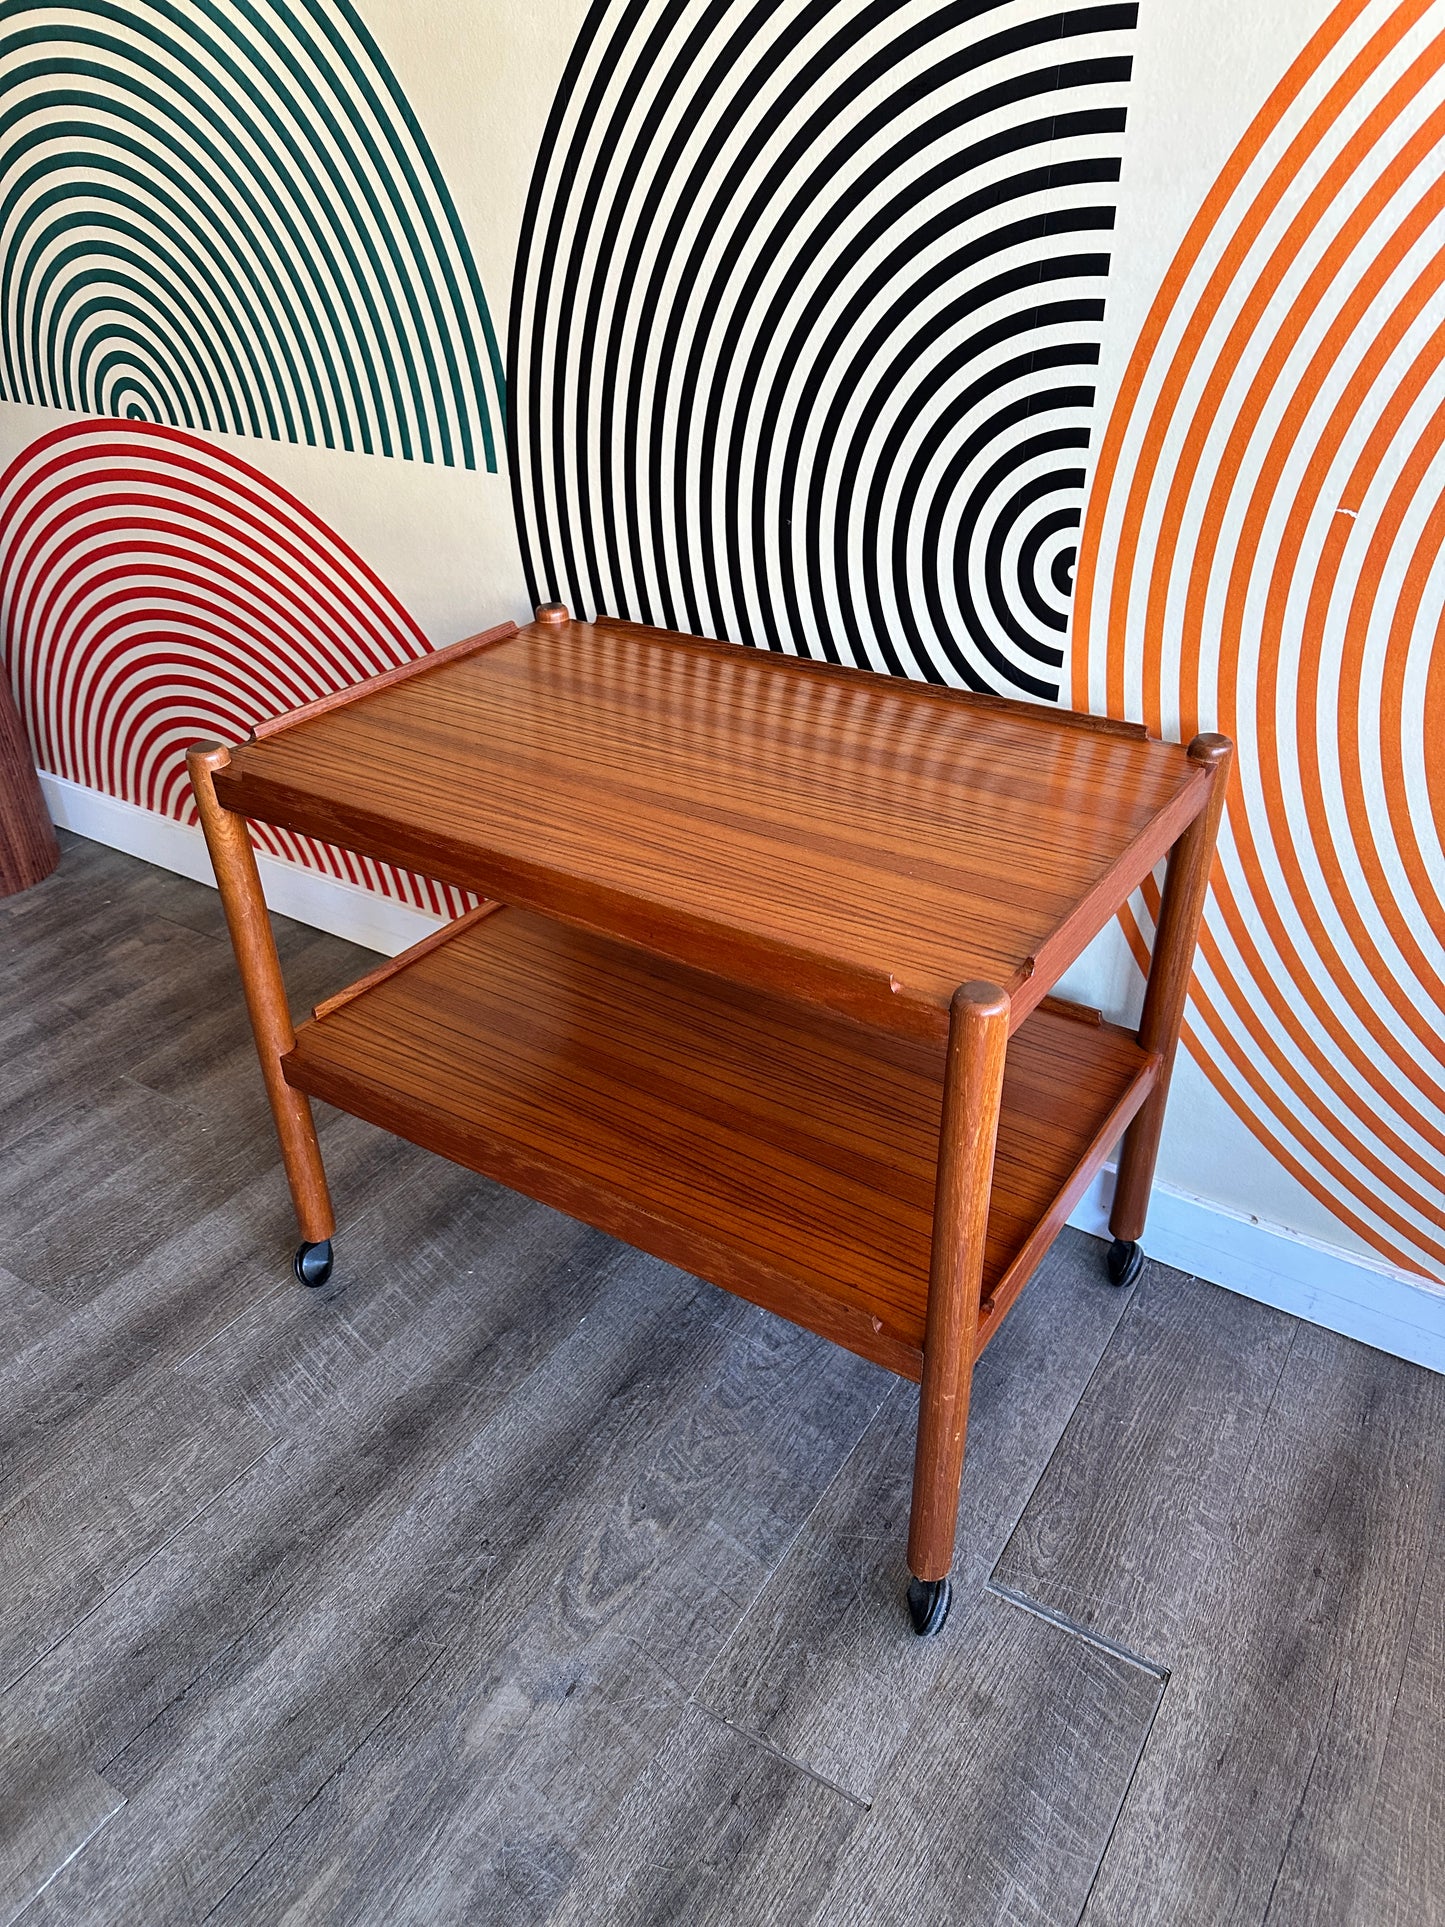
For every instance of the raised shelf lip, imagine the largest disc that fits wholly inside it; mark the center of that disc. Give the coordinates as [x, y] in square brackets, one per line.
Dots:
[746, 1275]
[869, 994]
[273, 726]
[1015, 707]
[762, 661]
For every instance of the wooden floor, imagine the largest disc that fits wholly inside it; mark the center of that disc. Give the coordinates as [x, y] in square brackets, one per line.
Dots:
[517, 1578]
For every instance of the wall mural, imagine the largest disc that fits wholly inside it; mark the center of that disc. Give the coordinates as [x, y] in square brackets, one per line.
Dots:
[224, 216]
[1265, 551]
[805, 320]
[154, 590]
[804, 335]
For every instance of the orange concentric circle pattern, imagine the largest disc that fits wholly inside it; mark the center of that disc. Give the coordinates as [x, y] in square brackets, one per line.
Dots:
[1264, 553]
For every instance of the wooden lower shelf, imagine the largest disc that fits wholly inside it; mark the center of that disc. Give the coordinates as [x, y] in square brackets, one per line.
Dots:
[767, 1146]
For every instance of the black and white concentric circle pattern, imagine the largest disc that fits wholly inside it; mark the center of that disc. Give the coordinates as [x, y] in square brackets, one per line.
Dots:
[806, 322]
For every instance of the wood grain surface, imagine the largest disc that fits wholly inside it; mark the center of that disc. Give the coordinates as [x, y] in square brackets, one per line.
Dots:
[28, 847]
[386, 679]
[1401, 1867]
[1000, 1809]
[569, 1587]
[234, 861]
[1171, 968]
[819, 1667]
[63, 1805]
[973, 1078]
[772, 1148]
[860, 841]
[1277, 1569]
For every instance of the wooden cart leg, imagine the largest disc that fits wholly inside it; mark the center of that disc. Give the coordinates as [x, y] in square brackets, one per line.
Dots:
[972, 1090]
[1186, 883]
[250, 926]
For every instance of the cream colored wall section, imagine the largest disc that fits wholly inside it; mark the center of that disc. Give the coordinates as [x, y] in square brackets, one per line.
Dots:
[1202, 72]
[1207, 1152]
[481, 79]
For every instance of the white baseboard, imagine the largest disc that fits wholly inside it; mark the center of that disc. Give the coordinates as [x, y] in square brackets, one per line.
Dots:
[1357, 1296]
[342, 909]
[1340, 1290]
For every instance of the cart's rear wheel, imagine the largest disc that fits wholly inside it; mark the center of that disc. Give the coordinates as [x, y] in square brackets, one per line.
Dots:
[312, 1263]
[1125, 1261]
[928, 1604]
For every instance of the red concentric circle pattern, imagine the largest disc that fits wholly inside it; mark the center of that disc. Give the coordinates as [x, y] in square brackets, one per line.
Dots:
[154, 590]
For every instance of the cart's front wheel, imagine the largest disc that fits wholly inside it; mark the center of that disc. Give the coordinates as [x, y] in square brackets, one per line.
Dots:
[928, 1604]
[1125, 1261]
[312, 1263]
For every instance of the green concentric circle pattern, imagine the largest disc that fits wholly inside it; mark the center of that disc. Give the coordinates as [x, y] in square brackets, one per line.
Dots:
[223, 215]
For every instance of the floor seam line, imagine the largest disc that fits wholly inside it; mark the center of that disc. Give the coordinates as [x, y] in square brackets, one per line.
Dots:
[69, 1860]
[154, 1553]
[766, 1746]
[1086, 1634]
[890, 1393]
[320, 1788]
[1132, 1294]
[1124, 1801]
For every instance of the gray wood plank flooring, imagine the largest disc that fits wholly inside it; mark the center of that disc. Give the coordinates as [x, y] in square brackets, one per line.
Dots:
[515, 1577]
[1402, 1861]
[1281, 1594]
[64, 1805]
[822, 1668]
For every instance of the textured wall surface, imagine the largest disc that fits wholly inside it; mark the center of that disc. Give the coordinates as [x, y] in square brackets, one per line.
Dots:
[1089, 356]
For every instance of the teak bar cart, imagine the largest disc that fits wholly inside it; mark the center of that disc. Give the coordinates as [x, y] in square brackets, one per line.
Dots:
[768, 996]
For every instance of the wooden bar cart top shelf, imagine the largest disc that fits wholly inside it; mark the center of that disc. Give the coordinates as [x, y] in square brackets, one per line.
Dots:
[769, 995]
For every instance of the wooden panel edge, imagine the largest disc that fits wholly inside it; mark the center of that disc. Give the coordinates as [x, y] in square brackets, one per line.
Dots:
[562, 1190]
[868, 996]
[1076, 1013]
[995, 1307]
[387, 679]
[1128, 870]
[403, 960]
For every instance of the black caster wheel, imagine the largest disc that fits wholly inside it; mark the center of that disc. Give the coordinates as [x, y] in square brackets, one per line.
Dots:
[1125, 1261]
[928, 1604]
[312, 1263]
